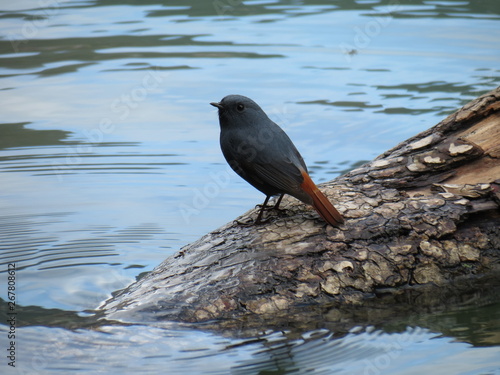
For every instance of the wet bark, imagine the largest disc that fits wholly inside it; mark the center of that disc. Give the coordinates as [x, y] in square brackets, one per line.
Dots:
[426, 212]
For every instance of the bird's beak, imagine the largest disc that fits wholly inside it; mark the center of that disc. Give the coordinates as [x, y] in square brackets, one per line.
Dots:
[218, 105]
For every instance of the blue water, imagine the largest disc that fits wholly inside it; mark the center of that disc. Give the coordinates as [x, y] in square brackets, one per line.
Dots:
[109, 158]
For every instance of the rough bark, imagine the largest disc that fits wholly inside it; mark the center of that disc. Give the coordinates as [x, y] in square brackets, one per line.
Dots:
[423, 213]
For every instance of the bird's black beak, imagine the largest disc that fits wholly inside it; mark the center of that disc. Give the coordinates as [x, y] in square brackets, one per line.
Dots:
[218, 105]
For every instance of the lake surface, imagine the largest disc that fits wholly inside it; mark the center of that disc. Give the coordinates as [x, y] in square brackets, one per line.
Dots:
[109, 163]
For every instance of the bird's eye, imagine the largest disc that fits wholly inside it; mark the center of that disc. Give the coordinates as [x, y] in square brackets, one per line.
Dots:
[240, 107]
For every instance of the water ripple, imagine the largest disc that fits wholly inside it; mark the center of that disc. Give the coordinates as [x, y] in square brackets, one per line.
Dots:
[24, 241]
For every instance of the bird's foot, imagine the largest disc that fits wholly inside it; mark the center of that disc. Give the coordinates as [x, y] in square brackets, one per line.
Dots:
[263, 219]
[248, 222]
[266, 207]
[270, 207]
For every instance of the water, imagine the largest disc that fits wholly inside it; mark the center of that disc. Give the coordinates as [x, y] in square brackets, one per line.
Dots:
[109, 163]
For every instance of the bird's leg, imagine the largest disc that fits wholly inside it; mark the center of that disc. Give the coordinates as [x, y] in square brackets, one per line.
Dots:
[277, 205]
[259, 217]
[264, 206]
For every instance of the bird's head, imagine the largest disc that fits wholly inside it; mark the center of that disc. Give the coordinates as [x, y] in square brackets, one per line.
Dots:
[240, 111]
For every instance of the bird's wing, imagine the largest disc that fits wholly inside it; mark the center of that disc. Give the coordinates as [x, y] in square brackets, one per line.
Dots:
[282, 174]
[266, 159]
[281, 164]
[285, 175]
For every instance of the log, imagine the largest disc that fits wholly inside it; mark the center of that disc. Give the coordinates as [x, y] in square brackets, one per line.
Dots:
[425, 213]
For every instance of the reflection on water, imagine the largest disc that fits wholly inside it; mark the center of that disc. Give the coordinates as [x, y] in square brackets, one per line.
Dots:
[106, 134]
[16, 135]
[174, 349]
[56, 255]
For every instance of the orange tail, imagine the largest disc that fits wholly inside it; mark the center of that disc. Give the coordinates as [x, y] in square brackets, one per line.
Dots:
[321, 203]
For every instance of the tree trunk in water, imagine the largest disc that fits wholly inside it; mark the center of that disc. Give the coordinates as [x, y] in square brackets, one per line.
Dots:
[423, 213]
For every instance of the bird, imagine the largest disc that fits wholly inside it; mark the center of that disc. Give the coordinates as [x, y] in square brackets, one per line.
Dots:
[260, 152]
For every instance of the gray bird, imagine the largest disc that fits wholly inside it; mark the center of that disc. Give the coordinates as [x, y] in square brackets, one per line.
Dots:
[263, 155]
